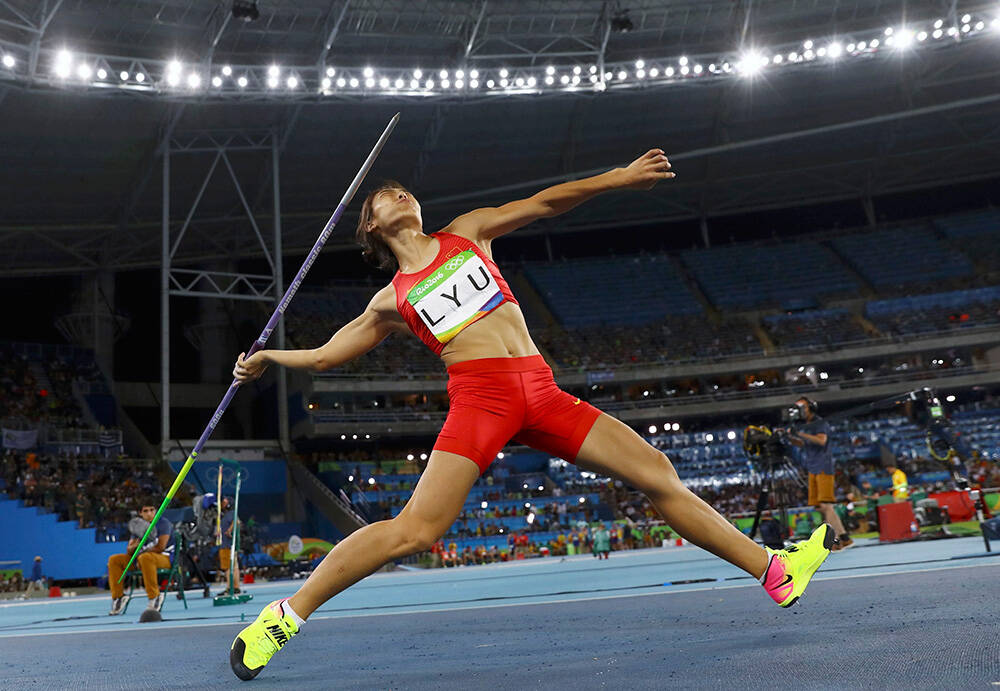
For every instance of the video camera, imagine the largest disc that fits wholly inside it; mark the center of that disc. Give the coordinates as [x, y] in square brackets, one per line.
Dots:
[763, 443]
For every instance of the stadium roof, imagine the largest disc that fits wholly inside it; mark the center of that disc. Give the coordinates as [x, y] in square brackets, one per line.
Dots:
[80, 181]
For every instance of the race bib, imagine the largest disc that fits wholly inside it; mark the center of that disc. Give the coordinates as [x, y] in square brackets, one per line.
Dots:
[457, 293]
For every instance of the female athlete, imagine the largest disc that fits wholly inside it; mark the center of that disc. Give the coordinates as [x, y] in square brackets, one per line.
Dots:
[449, 293]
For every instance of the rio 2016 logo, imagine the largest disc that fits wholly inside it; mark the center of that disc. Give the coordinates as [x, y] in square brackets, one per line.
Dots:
[455, 263]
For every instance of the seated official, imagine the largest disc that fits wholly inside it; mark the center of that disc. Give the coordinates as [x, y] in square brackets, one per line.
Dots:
[153, 555]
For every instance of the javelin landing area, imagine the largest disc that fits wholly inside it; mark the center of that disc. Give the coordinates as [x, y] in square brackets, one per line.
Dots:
[876, 616]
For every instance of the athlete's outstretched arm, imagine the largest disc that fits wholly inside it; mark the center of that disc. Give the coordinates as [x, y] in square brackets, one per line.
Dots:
[488, 223]
[352, 341]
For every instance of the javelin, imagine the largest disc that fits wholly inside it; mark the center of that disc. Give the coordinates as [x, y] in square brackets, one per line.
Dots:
[271, 323]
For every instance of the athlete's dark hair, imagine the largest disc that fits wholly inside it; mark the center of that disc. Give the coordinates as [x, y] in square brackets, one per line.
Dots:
[373, 248]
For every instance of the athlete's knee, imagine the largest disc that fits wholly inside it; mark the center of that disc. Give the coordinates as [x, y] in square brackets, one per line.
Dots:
[661, 478]
[413, 535]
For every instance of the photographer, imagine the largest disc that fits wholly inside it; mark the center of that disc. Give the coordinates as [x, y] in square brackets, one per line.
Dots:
[813, 441]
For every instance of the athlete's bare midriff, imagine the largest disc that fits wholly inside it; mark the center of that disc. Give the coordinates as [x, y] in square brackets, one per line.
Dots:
[501, 333]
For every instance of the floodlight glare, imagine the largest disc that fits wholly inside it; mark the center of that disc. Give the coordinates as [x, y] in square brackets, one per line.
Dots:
[532, 81]
[123, 75]
[750, 64]
[807, 45]
[777, 59]
[325, 83]
[503, 72]
[474, 74]
[640, 74]
[549, 79]
[226, 70]
[292, 82]
[341, 82]
[353, 82]
[564, 79]
[194, 81]
[140, 77]
[445, 84]
[653, 72]
[417, 74]
[966, 18]
[519, 81]
[369, 83]
[443, 74]
[490, 83]
[639, 64]
[682, 61]
[273, 71]
[698, 69]
[8, 61]
[821, 51]
[64, 64]
[173, 79]
[622, 75]
[685, 69]
[399, 82]
[272, 82]
[173, 67]
[384, 82]
[834, 50]
[474, 84]
[414, 83]
[669, 72]
[368, 72]
[102, 73]
[241, 82]
[576, 79]
[503, 83]
[216, 81]
[459, 74]
[904, 39]
[330, 72]
[84, 71]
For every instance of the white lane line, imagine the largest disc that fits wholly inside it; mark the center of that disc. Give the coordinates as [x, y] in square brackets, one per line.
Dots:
[429, 610]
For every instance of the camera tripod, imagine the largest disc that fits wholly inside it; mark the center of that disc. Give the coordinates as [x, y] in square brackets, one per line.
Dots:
[769, 488]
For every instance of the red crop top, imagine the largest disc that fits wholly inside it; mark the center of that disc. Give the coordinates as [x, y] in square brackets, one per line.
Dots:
[460, 286]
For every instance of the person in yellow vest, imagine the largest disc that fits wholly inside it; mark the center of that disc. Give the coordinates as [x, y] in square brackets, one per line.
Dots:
[900, 487]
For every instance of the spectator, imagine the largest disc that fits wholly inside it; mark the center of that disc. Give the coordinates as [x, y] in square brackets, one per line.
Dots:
[153, 555]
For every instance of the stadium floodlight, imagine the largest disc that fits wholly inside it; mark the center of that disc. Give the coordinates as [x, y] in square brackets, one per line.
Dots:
[460, 83]
[292, 82]
[474, 74]
[622, 75]
[777, 59]
[273, 71]
[84, 71]
[123, 75]
[966, 18]
[751, 64]
[709, 437]
[368, 436]
[368, 72]
[652, 429]
[669, 72]
[593, 79]
[272, 82]
[331, 72]
[194, 80]
[639, 64]
[980, 25]
[809, 55]
[504, 73]
[731, 435]
[8, 61]
[459, 74]
[423, 457]
[807, 45]
[140, 77]
[443, 74]
[862, 45]
[821, 52]
[399, 82]
[216, 81]
[241, 82]
[418, 73]
[676, 427]
[519, 81]
[369, 83]
[851, 47]
[952, 31]
[653, 72]
[102, 73]
[384, 82]
[874, 43]
[409, 456]
[698, 69]
[922, 36]
[414, 84]
[792, 57]
[575, 80]
[354, 82]
[445, 84]
[173, 79]
[549, 79]
[938, 23]
[500, 455]
[474, 84]
[226, 70]
[888, 31]
[64, 64]
[640, 74]
[429, 84]
[532, 81]
[904, 39]
[682, 61]
[490, 83]
[608, 76]
[371, 480]
[326, 82]
[834, 50]
[966, 28]
[564, 79]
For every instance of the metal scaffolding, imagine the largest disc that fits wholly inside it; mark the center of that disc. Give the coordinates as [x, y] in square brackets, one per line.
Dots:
[207, 283]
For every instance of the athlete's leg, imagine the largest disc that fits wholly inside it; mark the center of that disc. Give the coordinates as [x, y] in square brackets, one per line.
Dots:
[612, 448]
[436, 502]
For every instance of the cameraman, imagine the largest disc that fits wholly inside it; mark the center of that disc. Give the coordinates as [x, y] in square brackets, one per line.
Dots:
[813, 440]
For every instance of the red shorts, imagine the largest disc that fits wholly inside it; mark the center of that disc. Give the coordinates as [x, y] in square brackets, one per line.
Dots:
[494, 400]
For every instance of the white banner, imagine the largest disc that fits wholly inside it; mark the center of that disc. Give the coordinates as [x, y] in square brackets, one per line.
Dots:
[20, 439]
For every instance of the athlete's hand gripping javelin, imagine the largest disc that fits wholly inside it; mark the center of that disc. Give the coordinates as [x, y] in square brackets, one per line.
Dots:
[249, 368]
[647, 170]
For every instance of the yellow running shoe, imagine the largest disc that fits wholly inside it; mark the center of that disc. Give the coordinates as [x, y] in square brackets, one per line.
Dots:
[789, 570]
[255, 644]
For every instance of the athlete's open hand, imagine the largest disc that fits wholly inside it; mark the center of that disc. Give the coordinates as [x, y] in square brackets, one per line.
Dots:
[249, 368]
[647, 170]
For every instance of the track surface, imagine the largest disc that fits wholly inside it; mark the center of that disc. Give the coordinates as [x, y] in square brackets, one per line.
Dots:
[918, 615]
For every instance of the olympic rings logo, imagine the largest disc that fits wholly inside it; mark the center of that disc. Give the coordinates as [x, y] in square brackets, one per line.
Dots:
[455, 263]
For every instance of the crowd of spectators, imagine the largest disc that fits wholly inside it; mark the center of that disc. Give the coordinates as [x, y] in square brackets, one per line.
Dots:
[28, 401]
[93, 491]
